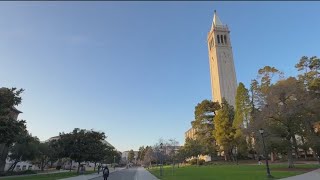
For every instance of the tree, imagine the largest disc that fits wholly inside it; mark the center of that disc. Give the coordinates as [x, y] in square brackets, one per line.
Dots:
[78, 144]
[131, 155]
[204, 125]
[111, 155]
[141, 153]
[181, 155]
[10, 127]
[44, 155]
[309, 77]
[284, 112]
[97, 152]
[242, 118]
[192, 148]
[25, 149]
[149, 156]
[224, 132]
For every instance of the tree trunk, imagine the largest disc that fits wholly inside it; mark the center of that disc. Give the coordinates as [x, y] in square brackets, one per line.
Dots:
[3, 156]
[78, 167]
[304, 149]
[290, 158]
[318, 156]
[70, 165]
[305, 154]
[272, 156]
[11, 168]
[225, 154]
[198, 161]
[95, 164]
[295, 147]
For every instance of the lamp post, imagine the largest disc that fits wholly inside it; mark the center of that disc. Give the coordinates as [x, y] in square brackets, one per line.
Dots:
[161, 148]
[265, 153]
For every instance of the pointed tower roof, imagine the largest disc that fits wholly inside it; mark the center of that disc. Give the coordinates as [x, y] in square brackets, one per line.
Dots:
[216, 20]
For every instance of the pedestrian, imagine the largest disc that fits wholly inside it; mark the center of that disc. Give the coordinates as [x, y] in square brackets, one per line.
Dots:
[105, 173]
[259, 160]
[99, 167]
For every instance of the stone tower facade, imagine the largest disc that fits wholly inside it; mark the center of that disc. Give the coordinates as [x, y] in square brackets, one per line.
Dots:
[222, 70]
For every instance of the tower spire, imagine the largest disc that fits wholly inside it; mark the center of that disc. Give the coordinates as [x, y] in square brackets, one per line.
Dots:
[216, 20]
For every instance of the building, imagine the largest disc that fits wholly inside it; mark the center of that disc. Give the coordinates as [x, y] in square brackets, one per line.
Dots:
[222, 70]
[191, 134]
[125, 155]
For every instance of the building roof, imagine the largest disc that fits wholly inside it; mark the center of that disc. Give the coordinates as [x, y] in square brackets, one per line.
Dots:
[15, 110]
[216, 20]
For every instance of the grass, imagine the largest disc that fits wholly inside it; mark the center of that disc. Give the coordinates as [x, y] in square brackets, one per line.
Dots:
[226, 172]
[46, 176]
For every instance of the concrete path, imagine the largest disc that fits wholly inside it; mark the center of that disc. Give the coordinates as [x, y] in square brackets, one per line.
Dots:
[130, 174]
[91, 176]
[313, 175]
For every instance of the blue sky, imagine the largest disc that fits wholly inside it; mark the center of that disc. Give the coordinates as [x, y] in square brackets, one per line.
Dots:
[136, 70]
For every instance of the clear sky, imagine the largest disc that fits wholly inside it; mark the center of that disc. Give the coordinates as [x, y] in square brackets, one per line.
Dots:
[136, 70]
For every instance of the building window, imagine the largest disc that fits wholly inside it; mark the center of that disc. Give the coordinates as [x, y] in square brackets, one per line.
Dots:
[218, 37]
[212, 41]
[221, 39]
[225, 39]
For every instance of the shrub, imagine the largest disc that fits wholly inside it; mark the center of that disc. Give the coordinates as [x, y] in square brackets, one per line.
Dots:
[201, 161]
[195, 162]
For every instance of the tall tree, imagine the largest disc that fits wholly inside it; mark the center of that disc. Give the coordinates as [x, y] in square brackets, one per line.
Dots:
[284, 112]
[224, 132]
[242, 118]
[310, 68]
[10, 127]
[204, 125]
[310, 76]
[242, 110]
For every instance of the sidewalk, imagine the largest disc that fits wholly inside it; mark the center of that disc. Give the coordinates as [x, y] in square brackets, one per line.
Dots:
[91, 176]
[313, 175]
[144, 174]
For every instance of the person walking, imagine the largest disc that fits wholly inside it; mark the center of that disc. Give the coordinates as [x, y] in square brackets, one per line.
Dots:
[259, 160]
[105, 173]
[99, 167]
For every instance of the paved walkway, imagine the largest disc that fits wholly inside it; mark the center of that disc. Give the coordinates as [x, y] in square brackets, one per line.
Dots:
[91, 176]
[313, 175]
[134, 173]
[143, 174]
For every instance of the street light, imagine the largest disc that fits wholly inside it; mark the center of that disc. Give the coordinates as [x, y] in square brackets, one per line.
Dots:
[265, 153]
[161, 148]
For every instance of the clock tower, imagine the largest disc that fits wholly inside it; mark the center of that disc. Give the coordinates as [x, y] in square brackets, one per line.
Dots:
[222, 71]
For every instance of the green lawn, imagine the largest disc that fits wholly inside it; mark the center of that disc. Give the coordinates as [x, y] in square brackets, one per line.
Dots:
[46, 176]
[226, 172]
